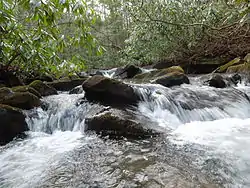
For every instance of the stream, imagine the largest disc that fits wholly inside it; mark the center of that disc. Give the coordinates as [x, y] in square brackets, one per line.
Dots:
[205, 142]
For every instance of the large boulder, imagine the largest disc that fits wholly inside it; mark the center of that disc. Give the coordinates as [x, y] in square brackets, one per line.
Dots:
[109, 91]
[116, 125]
[129, 71]
[217, 81]
[66, 84]
[23, 100]
[172, 79]
[12, 123]
[43, 88]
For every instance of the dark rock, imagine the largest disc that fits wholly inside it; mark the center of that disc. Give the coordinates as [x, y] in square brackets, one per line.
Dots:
[173, 79]
[66, 85]
[43, 88]
[217, 81]
[109, 91]
[128, 71]
[13, 123]
[76, 90]
[23, 100]
[115, 126]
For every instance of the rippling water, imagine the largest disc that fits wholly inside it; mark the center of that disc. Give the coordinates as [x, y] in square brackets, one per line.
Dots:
[207, 134]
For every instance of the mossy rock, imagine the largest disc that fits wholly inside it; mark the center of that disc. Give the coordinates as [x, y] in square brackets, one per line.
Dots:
[43, 88]
[26, 89]
[23, 100]
[13, 123]
[242, 68]
[158, 73]
[224, 68]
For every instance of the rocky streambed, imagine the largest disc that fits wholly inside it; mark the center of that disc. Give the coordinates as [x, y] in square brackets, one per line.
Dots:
[127, 127]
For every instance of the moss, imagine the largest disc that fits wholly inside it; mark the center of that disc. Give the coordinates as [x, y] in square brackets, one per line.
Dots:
[26, 89]
[242, 68]
[223, 68]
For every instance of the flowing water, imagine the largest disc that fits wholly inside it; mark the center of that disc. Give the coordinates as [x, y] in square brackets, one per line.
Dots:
[205, 143]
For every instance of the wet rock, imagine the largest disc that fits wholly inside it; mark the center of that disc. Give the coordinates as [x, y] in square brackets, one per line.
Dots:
[173, 79]
[217, 81]
[13, 123]
[235, 79]
[43, 88]
[66, 85]
[115, 125]
[109, 91]
[76, 90]
[23, 100]
[26, 89]
[128, 71]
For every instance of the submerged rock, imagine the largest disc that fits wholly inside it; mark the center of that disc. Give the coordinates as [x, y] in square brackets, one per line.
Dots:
[172, 79]
[66, 84]
[43, 88]
[129, 71]
[217, 81]
[109, 91]
[13, 123]
[116, 125]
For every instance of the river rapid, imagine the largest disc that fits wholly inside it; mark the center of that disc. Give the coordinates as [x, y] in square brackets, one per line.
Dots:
[205, 142]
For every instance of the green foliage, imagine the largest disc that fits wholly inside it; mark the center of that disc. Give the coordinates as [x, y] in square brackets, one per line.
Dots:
[146, 31]
[37, 35]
